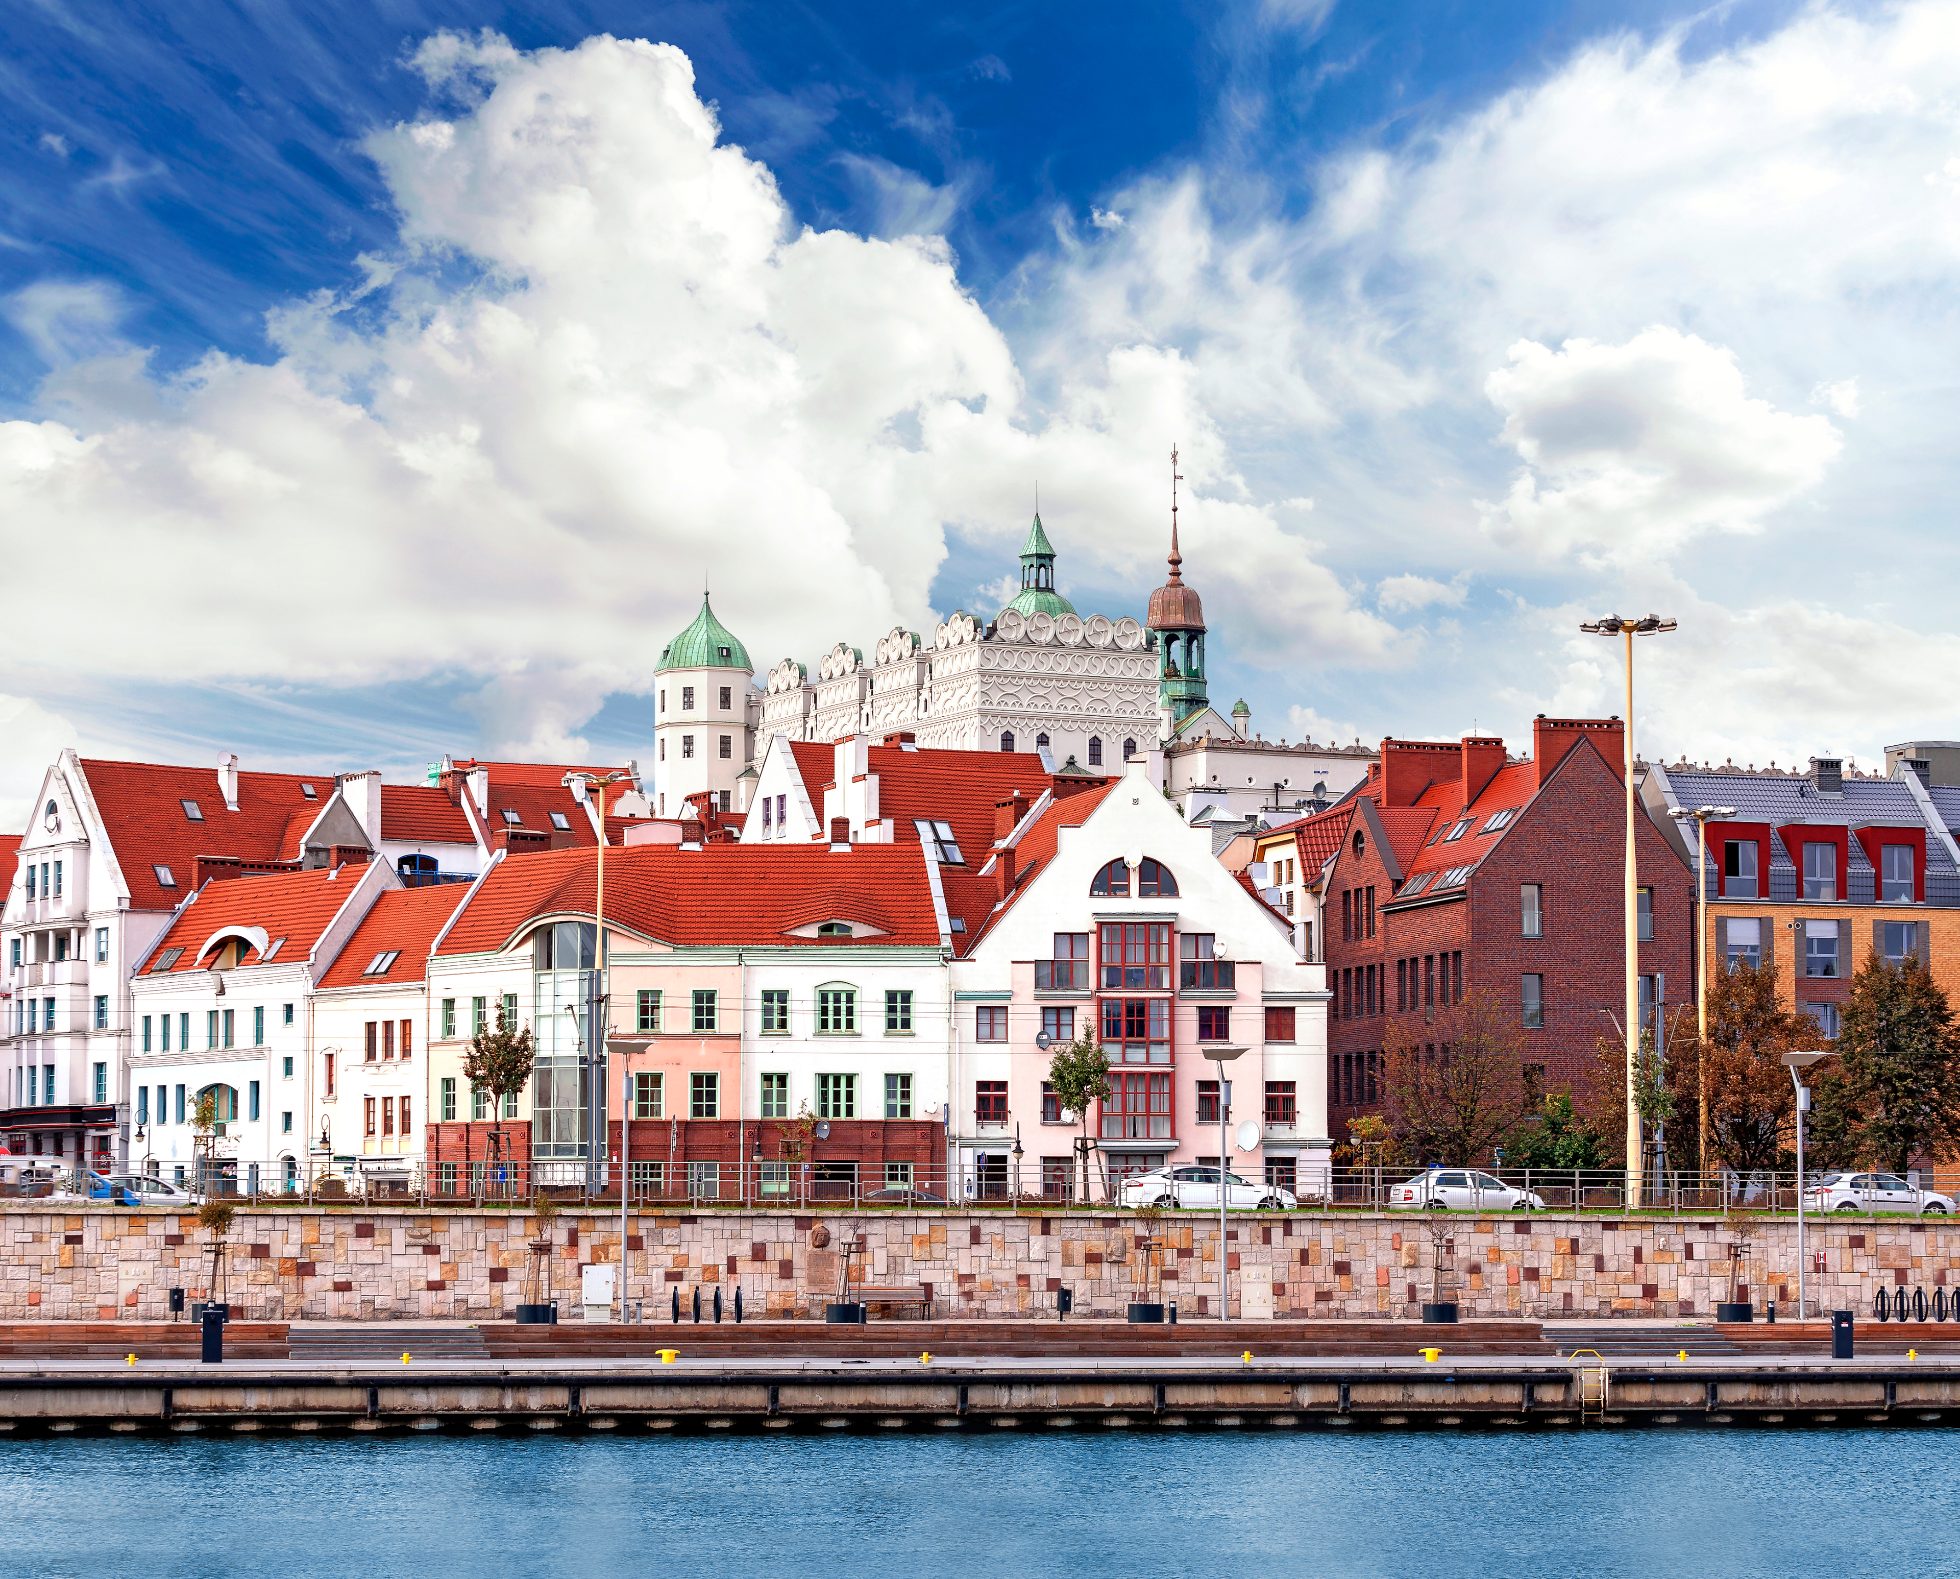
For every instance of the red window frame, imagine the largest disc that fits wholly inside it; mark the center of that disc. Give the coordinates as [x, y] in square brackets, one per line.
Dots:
[1135, 955]
[1280, 1023]
[1136, 1030]
[1138, 1106]
[990, 1101]
[1282, 1102]
[990, 1022]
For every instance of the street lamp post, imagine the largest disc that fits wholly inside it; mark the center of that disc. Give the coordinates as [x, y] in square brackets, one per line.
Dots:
[1701, 816]
[1797, 1062]
[598, 1010]
[1220, 1057]
[1627, 629]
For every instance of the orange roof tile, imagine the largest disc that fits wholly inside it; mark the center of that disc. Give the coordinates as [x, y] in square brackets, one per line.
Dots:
[9, 858]
[295, 906]
[142, 810]
[402, 920]
[1033, 850]
[423, 813]
[720, 894]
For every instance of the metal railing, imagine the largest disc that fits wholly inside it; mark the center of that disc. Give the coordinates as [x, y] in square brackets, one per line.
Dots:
[984, 1181]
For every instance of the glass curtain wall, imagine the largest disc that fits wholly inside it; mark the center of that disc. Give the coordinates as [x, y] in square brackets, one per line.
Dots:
[563, 961]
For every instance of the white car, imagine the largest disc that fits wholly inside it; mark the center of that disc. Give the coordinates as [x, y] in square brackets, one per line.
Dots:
[153, 1191]
[1461, 1190]
[1189, 1186]
[1874, 1192]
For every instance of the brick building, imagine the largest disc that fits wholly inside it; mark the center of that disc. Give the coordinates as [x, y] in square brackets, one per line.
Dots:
[1463, 871]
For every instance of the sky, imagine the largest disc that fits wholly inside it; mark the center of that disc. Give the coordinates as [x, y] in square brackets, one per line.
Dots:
[379, 381]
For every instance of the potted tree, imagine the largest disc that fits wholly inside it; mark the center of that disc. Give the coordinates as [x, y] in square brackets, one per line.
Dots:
[1147, 1237]
[497, 1062]
[215, 1218]
[538, 1309]
[1442, 1255]
[844, 1311]
[1741, 1228]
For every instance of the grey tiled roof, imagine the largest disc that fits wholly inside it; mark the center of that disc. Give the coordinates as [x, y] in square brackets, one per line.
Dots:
[1946, 801]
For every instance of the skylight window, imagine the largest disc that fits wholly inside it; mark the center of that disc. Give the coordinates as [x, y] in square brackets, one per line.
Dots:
[513, 817]
[945, 847]
[382, 962]
[168, 958]
[1500, 819]
[1416, 885]
[958, 923]
[165, 877]
[271, 949]
[559, 822]
[192, 810]
[309, 791]
[1457, 832]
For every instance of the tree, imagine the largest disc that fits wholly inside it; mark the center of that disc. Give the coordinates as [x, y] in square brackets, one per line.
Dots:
[1894, 1094]
[498, 1061]
[1751, 1105]
[1654, 1097]
[1558, 1139]
[1078, 1074]
[215, 1217]
[1458, 1099]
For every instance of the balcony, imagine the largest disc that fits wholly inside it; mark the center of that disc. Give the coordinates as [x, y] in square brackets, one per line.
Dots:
[1207, 975]
[1061, 975]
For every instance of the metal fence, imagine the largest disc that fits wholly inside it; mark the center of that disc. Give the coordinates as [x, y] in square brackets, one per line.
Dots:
[702, 1184]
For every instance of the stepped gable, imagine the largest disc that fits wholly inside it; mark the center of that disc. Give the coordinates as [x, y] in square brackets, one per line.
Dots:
[403, 920]
[142, 809]
[297, 907]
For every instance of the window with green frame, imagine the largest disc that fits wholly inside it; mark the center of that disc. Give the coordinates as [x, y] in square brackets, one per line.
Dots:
[898, 1096]
[898, 1011]
[703, 1095]
[837, 1096]
[706, 1015]
[773, 1177]
[775, 1094]
[649, 1095]
[479, 1016]
[775, 1011]
[448, 1018]
[647, 1007]
[837, 1013]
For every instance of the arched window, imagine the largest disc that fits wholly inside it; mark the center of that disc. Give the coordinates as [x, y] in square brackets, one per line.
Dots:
[416, 869]
[1041, 741]
[1112, 882]
[224, 1103]
[1129, 749]
[1007, 740]
[1095, 751]
[1154, 880]
[834, 929]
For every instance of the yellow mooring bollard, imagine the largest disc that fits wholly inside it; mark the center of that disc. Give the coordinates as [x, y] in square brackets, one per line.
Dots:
[404, 1356]
[1682, 1355]
[1432, 1355]
[129, 1359]
[925, 1357]
[1912, 1354]
[668, 1356]
[1246, 1357]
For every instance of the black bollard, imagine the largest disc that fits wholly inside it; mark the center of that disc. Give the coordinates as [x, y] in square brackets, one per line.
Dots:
[717, 1306]
[212, 1334]
[677, 1307]
[738, 1305]
[697, 1304]
[1769, 1313]
[1171, 1314]
[1919, 1303]
[1841, 1335]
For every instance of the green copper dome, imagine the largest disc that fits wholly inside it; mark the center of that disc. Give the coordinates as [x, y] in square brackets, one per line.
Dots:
[706, 644]
[1038, 594]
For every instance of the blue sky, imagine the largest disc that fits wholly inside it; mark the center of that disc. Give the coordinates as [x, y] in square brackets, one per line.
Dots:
[1470, 319]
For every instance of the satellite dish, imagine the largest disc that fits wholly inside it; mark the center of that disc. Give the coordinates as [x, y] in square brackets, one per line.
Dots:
[823, 1129]
[1043, 1040]
[1247, 1136]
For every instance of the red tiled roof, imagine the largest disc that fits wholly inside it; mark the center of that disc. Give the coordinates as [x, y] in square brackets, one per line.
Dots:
[402, 919]
[143, 814]
[534, 804]
[813, 759]
[296, 906]
[1510, 790]
[423, 813]
[1032, 852]
[721, 894]
[9, 858]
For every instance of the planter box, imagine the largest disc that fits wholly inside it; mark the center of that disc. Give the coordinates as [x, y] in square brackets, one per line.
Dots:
[844, 1315]
[545, 1315]
[1735, 1310]
[1442, 1314]
[1144, 1311]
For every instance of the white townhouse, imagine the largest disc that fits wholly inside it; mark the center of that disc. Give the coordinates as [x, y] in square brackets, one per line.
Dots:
[1109, 913]
[222, 1007]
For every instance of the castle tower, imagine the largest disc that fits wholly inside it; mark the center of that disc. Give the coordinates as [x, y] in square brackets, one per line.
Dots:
[703, 723]
[1178, 617]
[1038, 594]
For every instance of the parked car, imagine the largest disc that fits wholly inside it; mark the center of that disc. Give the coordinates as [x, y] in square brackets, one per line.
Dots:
[31, 1178]
[1461, 1190]
[155, 1192]
[1874, 1192]
[1190, 1186]
[898, 1195]
[87, 1185]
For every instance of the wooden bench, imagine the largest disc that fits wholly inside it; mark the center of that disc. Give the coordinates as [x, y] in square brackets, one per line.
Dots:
[919, 1294]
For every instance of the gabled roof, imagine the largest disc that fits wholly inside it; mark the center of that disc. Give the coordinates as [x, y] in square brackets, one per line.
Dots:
[534, 805]
[9, 859]
[295, 906]
[141, 805]
[423, 814]
[1034, 844]
[402, 921]
[1315, 838]
[718, 895]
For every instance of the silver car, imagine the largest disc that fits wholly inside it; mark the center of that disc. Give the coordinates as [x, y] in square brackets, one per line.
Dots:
[152, 1191]
[1461, 1190]
[1190, 1186]
[1874, 1192]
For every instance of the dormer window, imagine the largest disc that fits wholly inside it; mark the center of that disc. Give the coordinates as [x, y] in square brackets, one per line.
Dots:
[165, 877]
[382, 962]
[1819, 870]
[724, 654]
[559, 822]
[1739, 869]
[945, 847]
[513, 818]
[834, 929]
[1896, 878]
[192, 811]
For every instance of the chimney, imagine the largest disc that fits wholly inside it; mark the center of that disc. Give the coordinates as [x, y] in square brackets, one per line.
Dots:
[1408, 767]
[228, 779]
[348, 855]
[1827, 775]
[903, 738]
[1008, 814]
[479, 782]
[362, 792]
[1552, 738]
[1922, 767]
[840, 833]
[1483, 756]
[1003, 873]
[690, 833]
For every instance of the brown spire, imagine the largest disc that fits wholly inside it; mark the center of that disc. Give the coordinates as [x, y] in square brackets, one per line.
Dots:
[1174, 606]
[1177, 559]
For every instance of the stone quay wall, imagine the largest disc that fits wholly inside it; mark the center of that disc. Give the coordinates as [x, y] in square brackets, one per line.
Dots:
[90, 1263]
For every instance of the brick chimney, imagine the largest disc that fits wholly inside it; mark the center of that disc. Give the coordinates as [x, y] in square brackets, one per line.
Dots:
[1552, 738]
[690, 833]
[1483, 757]
[1003, 873]
[1827, 775]
[840, 833]
[1408, 767]
[1008, 814]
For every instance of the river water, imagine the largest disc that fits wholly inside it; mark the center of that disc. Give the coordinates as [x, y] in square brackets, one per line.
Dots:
[1734, 1504]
